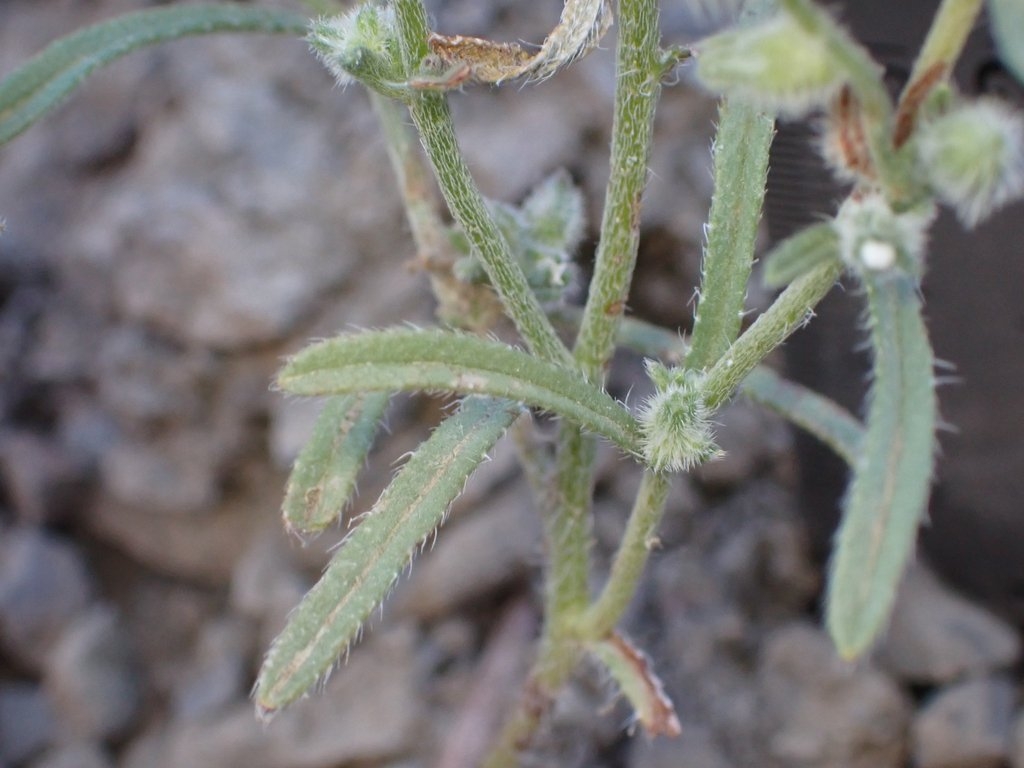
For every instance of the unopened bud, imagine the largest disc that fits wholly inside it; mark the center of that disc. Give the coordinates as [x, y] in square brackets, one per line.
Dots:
[776, 65]
[973, 156]
[361, 45]
[677, 432]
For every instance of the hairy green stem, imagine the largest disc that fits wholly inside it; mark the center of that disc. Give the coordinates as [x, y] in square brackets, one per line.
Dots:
[802, 407]
[631, 557]
[567, 524]
[568, 534]
[947, 35]
[413, 31]
[789, 312]
[647, 339]
[413, 179]
[639, 69]
[433, 119]
[741, 169]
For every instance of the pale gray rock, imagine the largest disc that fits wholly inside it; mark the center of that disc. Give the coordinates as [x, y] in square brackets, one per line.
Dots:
[936, 636]
[44, 481]
[819, 711]
[966, 725]
[291, 426]
[178, 474]
[75, 756]
[265, 584]
[695, 748]
[44, 585]
[218, 674]
[1017, 741]
[767, 567]
[199, 547]
[238, 215]
[143, 378]
[27, 723]
[369, 711]
[92, 679]
[64, 342]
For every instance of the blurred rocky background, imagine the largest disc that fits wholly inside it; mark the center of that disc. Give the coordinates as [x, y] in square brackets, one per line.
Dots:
[202, 209]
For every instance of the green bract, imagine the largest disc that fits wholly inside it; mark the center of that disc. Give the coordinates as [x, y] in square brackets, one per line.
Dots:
[775, 65]
[362, 45]
[677, 432]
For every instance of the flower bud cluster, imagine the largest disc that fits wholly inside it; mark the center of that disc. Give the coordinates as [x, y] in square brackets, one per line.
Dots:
[362, 45]
[973, 157]
[775, 64]
[677, 433]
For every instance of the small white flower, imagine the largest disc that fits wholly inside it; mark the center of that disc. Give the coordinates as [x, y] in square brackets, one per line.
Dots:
[874, 237]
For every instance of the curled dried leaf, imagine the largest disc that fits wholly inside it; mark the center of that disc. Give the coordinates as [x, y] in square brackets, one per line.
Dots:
[632, 670]
[457, 59]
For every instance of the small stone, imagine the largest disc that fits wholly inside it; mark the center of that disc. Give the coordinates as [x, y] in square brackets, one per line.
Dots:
[936, 636]
[64, 343]
[821, 712]
[143, 378]
[966, 725]
[200, 547]
[43, 482]
[488, 550]
[218, 676]
[768, 569]
[44, 585]
[291, 425]
[75, 756]
[212, 275]
[695, 748]
[264, 582]
[27, 724]
[370, 710]
[91, 678]
[177, 474]
[1017, 741]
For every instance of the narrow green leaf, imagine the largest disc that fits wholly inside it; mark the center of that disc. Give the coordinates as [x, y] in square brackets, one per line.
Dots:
[833, 425]
[888, 493]
[324, 475]
[741, 169]
[632, 670]
[378, 549]
[445, 361]
[1008, 30]
[43, 81]
[799, 254]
